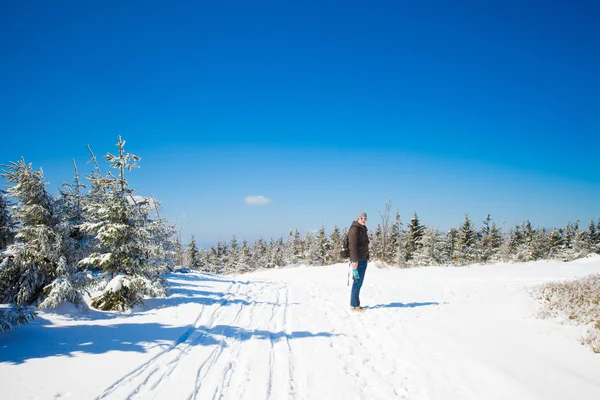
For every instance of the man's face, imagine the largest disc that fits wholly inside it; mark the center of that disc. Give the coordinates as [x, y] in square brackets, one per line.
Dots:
[362, 220]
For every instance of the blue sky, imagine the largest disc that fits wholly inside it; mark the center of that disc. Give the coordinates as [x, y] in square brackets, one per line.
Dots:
[325, 108]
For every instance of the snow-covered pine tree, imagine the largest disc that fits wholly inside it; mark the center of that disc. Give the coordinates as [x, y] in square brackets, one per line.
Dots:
[7, 224]
[293, 248]
[120, 226]
[430, 251]
[335, 238]
[491, 240]
[275, 253]
[193, 255]
[413, 237]
[536, 242]
[322, 248]
[71, 280]
[575, 241]
[376, 243]
[258, 254]
[557, 243]
[466, 249]
[310, 249]
[36, 269]
[159, 236]
[233, 264]
[244, 256]
[448, 246]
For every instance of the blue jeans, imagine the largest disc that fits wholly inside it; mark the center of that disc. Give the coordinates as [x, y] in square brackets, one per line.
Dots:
[357, 284]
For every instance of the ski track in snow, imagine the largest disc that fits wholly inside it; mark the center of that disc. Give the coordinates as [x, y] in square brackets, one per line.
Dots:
[222, 370]
[254, 341]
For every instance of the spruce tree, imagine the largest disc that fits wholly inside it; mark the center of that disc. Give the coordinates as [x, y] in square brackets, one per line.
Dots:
[430, 251]
[335, 239]
[465, 251]
[244, 256]
[414, 237]
[35, 255]
[122, 233]
[193, 256]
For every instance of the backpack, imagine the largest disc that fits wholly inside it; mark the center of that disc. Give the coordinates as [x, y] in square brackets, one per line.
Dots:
[345, 251]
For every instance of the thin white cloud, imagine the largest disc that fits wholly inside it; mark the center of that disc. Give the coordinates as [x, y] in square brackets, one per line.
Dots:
[257, 200]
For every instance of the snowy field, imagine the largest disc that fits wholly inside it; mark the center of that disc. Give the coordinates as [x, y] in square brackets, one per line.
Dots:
[428, 333]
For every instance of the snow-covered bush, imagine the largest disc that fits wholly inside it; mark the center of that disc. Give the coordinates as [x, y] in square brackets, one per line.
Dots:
[576, 301]
[124, 292]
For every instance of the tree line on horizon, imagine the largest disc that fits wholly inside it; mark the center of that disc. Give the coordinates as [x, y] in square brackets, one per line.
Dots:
[399, 245]
[97, 243]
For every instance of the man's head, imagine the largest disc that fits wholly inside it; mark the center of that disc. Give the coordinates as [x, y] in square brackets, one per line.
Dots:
[361, 217]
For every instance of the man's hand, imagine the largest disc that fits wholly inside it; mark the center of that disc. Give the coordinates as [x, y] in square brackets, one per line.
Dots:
[355, 273]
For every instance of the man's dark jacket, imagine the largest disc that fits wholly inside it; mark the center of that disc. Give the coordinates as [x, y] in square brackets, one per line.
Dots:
[358, 242]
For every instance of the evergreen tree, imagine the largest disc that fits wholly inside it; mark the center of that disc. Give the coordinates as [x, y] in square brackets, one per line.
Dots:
[309, 249]
[244, 256]
[122, 232]
[259, 254]
[233, 263]
[193, 255]
[322, 248]
[430, 251]
[465, 251]
[34, 257]
[376, 243]
[335, 239]
[449, 246]
[275, 253]
[413, 237]
[294, 248]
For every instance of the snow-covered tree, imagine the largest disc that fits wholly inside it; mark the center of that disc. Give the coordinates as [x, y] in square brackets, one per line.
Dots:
[37, 267]
[244, 256]
[193, 255]
[413, 237]
[275, 253]
[294, 247]
[259, 254]
[466, 249]
[491, 240]
[430, 251]
[335, 238]
[123, 237]
[449, 246]
[322, 248]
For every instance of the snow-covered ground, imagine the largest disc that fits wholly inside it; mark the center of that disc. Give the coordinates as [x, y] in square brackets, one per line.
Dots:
[428, 333]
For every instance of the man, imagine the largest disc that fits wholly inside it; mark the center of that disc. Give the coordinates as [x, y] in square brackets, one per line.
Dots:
[358, 242]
